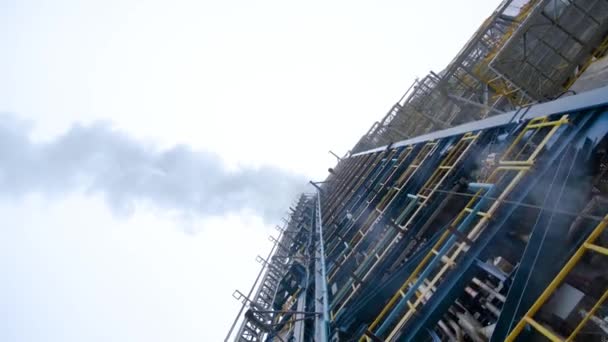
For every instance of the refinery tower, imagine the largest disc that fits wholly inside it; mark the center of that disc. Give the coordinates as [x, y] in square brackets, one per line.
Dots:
[474, 210]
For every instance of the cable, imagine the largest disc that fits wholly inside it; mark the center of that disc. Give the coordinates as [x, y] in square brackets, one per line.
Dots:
[422, 249]
[527, 205]
[561, 193]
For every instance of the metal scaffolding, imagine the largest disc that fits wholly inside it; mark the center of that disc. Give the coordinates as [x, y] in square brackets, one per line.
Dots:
[442, 237]
[527, 51]
[474, 210]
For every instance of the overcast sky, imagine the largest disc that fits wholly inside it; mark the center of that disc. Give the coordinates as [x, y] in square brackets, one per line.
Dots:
[112, 111]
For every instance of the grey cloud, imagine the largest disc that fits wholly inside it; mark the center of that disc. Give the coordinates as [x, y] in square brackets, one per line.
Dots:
[125, 171]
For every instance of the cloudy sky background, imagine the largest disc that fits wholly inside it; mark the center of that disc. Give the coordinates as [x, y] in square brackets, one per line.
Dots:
[112, 111]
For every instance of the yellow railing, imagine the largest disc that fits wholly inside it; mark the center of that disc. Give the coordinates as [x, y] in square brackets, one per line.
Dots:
[359, 179]
[454, 156]
[528, 319]
[350, 180]
[515, 162]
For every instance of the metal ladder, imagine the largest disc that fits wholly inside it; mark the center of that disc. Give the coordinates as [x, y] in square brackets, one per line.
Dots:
[361, 180]
[426, 150]
[354, 178]
[466, 227]
[329, 216]
[456, 153]
[335, 187]
[393, 190]
[407, 175]
[259, 319]
[345, 252]
[351, 166]
[528, 319]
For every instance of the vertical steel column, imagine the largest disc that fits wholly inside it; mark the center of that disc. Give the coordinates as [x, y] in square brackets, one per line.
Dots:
[321, 301]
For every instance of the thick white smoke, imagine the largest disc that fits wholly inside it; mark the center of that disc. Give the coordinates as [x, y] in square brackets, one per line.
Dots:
[102, 160]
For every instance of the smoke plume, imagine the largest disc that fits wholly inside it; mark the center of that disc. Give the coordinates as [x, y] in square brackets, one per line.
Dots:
[107, 162]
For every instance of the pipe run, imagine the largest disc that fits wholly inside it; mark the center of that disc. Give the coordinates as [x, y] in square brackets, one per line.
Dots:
[321, 300]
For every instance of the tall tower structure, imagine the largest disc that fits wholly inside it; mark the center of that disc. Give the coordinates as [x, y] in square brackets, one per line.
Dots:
[475, 210]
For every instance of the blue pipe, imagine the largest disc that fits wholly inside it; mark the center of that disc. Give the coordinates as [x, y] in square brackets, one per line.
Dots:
[349, 282]
[406, 211]
[461, 228]
[408, 208]
[479, 186]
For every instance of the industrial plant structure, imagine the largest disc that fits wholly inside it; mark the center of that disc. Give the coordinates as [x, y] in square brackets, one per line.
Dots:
[475, 210]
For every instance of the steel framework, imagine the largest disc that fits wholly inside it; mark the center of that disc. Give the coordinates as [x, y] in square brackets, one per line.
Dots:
[527, 51]
[474, 210]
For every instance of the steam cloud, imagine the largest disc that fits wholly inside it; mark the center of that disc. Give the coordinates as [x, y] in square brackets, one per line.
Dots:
[102, 160]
